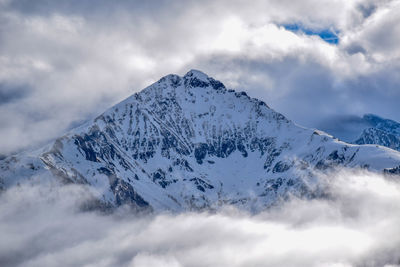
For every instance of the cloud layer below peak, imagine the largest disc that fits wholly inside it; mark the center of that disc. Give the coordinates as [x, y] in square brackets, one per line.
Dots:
[356, 226]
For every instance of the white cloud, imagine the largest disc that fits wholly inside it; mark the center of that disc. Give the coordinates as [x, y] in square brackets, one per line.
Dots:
[379, 35]
[356, 225]
[77, 63]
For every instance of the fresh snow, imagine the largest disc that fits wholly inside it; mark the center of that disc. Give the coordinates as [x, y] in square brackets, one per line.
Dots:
[187, 143]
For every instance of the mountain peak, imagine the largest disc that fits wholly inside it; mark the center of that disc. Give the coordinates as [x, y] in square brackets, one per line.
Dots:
[193, 73]
[188, 143]
[192, 79]
[372, 118]
[195, 78]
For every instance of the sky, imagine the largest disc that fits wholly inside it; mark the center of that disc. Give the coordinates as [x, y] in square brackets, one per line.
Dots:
[64, 62]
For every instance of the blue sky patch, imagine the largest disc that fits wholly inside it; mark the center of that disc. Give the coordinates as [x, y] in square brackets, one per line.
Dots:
[329, 36]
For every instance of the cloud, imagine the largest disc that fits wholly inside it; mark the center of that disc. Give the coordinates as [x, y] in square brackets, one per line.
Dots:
[356, 225]
[347, 128]
[78, 58]
[379, 33]
[9, 92]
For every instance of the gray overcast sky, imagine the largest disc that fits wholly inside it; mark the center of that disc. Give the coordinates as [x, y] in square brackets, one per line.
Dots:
[62, 62]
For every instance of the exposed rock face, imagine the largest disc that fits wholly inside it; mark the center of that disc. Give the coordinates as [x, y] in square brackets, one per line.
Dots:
[382, 132]
[189, 143]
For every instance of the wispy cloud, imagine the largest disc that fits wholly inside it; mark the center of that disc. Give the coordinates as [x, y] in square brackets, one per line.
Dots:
[356, 226]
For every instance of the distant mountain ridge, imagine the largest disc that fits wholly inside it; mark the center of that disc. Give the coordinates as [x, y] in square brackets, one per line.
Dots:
[383, 132]
[188, 143]
[368, 129]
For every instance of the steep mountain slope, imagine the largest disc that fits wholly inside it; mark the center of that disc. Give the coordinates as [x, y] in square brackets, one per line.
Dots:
[190, 143]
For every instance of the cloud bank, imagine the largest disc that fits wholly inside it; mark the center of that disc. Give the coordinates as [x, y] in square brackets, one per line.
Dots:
[62, 62]
[357, 225]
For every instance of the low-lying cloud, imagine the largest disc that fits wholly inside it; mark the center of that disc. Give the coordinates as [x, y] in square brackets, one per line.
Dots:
[356, 225]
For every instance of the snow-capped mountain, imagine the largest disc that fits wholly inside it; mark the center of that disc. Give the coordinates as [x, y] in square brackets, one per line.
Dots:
[368, 129]
[382, 132]
[190, 143]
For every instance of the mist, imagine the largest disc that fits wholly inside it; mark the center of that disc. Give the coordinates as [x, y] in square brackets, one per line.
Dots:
[356, 224]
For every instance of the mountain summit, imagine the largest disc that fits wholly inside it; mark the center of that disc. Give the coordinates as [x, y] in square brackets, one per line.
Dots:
[188, 143]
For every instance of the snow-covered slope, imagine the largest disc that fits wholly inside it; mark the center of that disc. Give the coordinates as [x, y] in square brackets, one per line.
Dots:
[368, 129]
[382, 132]
[189, 143]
